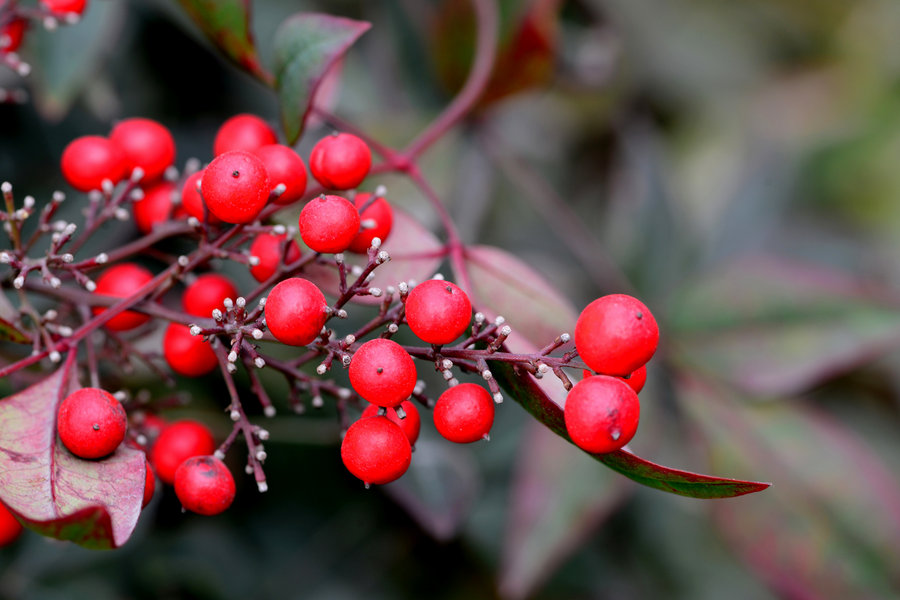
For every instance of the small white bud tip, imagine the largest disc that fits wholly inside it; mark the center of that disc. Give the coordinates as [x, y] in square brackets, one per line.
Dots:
[235, 415]
[55, 357]
[393, 328]
[321, 369]
[241, 302]
[232, 368]
[183, 261]
[268, 411]
[376, 292]
[498, 398]
[506, 330]
[279, 229]
[195, 330]
[259, 362]
[263, 434]
[137, 174]
[232, 356]
[487, 375]
[263, 487]
[90, 286]
[216, 314]
[381, 191]
[229, 303]
[565, 337]
[24, 69]
[6, 187]
[279, 189]
[18, 282]
[102, 258]
[257, 334]
[261, 456]
[107, 186]
[253, 261]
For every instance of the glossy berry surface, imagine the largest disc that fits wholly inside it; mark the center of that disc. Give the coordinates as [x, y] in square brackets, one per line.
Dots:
[12, 34]
[243, 132]
[635, 381]
[177, 443]
[235, 187]
[187, 354]
[146, 144]
[295, 311]
[91, 423]
[65, 6]
[204, 485]
[207, 293]
[154, 208]
[10, 528]
[121, 281]
[340, 162]
[616, 334]
[464, 413]
[284, 166]
[376, 450]
[601, 414]
[411, 424]
[270, 249]
[376, 221]
[329, 224]
[192, 201]
[438, 311]
[382, 372]
[88, 160]
[149, 486]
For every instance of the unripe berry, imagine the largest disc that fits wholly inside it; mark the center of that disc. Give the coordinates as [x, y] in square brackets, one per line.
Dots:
[340, 161]
[243, 132]
[376, 450]
[155, 207]
[187, 354]
[149, 486]
[382, 372]
[376, 222]
[62, 7]
[204, 485]
[235, 187]
[146, 144]
[438, 311]
[177, 443]
[121, 281]
[90, 159]
[329, 224]
[284, 166]
[270, 249]
[616, 334]
[208, 292]
[91, 423]
[10, 528]
[411, 424]
[601, 414]
[464, 413]
[296, 311]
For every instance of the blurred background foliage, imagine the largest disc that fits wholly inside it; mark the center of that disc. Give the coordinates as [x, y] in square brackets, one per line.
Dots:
[731, 163]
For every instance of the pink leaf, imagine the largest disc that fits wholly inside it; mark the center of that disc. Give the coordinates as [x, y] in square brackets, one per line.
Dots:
[92, 503]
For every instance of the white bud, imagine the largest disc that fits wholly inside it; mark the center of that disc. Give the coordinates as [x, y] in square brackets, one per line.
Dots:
[268, 411]
[341, 313]
[499, 321]
[448, 374]
[58, 196]
[370, 277]
[231, 367]
[505, 330]
[565, 337]
[345, 359]
[381, 191]
[253, 261]
[263, 434]
[72, 18]
[101, 258]
[349, 339]
[141, 439]
[279, 229]
[376, 242]
[229, 303]
[279, 189]
[261, 456]
[5, 187]
[317, 402]
[136, 194]
[50, 23]
[219, 454]
[453, 381]
[382, 257]
[18, 282]
[498, 398]
[438, 276]
[183, 261]
[259, 362]
[24, 69]
[479, 318]
[542, 368]
[369, 224]
[121, 214]
[192, 165]
[232, 356]
[321, 369]
[55, 282]
[262, 302]
[403, 287]
[107, 186]
[51, 315]
[376, 292]
[55, 357]
[447, 363]
[5, 258]
[193, 221]
[90, 285]
[339, 257]
[217, 314]
[235, 415]
[262, 486]
[344, 393]
[121, 396]
[28, 202]
[393, 328]
[70, 229]
[95, 196]
[195, 330]
[137, 174]
[420, 387]
[248, 470]
[65, 330]
[171, 173]
[257, 334]
[67, 258]
[21, 214]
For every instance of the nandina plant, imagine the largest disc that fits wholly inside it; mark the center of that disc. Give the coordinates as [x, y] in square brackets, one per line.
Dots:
[234, 210]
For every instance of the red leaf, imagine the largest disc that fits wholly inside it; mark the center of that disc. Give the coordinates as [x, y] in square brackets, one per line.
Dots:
[9, 332]
[415, 255]
[92, 503]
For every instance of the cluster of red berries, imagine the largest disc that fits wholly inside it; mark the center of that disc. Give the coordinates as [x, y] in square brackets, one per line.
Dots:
[615, 336]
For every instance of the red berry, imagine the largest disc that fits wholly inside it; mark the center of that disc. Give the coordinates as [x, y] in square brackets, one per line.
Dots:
[207, 293]
[192, 201]
[340, 161]
[10, 528]
[411, 424]
[204, 485]
[187, 354]
[90, 159]
[295, 311]
[601, 414]
[635, 381]
[376, 450]
[62, 7]
[177, 443]
[438, 311]
[243, 132]
[11, 35]
[284, 166]
[121, 281]
[382, 372]
[376, 222]
[270, 249]
[146, 144]
[235, 187]
[91, 423]
[464, 413]
[329, 224]
[155, 207]
[149, 486]
[616, 334]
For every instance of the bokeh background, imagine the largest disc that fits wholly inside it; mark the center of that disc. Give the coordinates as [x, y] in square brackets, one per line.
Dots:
[734, 164]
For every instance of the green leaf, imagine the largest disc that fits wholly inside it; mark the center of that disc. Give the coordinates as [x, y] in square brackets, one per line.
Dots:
[94, 503]
[830, 526]
[775, 328]
[307, 45]
[227, 24]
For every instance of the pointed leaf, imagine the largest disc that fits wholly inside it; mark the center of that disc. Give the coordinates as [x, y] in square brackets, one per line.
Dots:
[306, 46]
[9, 333]
[415, 256]
[776, 328]
[95, 503]
[830, 528]
[227, 24]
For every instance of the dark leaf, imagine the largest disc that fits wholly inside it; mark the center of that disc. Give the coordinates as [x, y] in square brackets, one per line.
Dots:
[95, 503]
[307, 45]
[776, 328]
[227, 24]
[830, 527]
